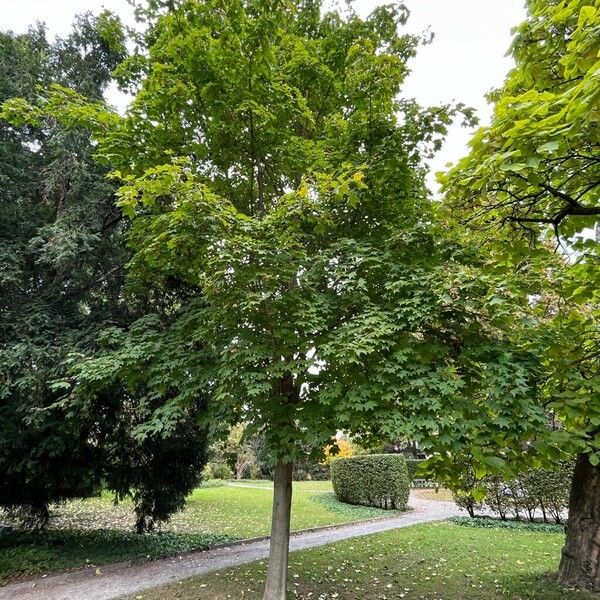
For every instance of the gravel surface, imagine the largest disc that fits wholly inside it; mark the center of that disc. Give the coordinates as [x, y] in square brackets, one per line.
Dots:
[116, 580]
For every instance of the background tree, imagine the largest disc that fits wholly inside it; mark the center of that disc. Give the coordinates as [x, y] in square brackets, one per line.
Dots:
[238, 451]
[62, 257]
[536, 168]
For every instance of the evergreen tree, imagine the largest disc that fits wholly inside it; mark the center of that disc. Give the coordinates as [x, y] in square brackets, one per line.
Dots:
[62, 257]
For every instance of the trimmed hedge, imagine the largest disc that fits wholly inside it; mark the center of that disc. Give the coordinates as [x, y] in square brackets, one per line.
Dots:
[379, 480]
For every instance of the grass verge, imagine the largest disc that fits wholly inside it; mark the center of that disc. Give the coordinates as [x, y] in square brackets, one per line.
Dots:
[438, 561]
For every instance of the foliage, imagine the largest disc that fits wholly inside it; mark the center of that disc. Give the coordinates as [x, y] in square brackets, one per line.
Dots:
[543, 489]
[311, 470]
[61, 258]
[63, 302]
[438, 560]
[413, 465]
[465, 488]
[499, 496]
[220, 470]
[274, 182]
[238, 452]
[488, 523]
[537, 169]
[547, 489]
[373, 480]
[28, 553]
[283, 190]
[342, 448]
[537, 163]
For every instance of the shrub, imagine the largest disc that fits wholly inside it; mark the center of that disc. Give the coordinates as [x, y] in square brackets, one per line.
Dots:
[213, 483]
[498, 496]
[544, 489]
[463, 489]
[207, 473]
[221, 471]
[551, 489]
[379, 480]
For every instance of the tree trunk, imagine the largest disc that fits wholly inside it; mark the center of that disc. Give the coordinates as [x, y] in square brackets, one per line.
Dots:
[275, 586]
[580, 563]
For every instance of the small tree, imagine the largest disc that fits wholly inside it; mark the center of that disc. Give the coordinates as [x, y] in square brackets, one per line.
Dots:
[317, 290]
[466, 489]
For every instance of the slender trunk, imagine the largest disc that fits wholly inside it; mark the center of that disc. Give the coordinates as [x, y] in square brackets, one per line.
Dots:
[580, 563]
[275, 586]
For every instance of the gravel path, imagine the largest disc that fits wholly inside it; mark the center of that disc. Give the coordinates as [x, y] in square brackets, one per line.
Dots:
[121, 579]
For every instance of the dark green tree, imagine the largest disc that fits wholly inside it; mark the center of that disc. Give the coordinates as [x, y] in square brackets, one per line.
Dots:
[62, 257]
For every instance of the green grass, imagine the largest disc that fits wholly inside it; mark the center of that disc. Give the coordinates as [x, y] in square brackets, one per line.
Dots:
[438, 561]
[244, 512]
[96, 532]
[240, 510]
[441, 494]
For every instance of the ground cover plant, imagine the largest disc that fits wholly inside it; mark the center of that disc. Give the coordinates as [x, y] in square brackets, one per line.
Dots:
[495, 523]
[94, 531]
[34, 553]
[440, 561]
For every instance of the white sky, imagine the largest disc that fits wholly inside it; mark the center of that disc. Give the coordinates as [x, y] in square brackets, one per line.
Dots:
[466, 59]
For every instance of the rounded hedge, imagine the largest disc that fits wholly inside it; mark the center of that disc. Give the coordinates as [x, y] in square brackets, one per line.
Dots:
[379, 480]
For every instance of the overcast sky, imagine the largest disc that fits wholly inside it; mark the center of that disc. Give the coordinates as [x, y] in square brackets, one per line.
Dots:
[466, 59]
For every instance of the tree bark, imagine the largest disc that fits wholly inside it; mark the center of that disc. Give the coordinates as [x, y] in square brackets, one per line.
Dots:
[275, 586]
[580, 563]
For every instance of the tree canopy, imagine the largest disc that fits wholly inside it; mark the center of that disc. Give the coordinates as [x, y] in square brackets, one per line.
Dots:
[537, 163]
[62, 271]
[288, 269]
[536, 168]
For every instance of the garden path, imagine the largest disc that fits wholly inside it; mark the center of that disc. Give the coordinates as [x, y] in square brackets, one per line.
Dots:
[117, 580]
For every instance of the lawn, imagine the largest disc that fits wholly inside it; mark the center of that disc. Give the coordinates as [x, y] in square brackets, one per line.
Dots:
[441, 494]
[94, 532]
[438, 561]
